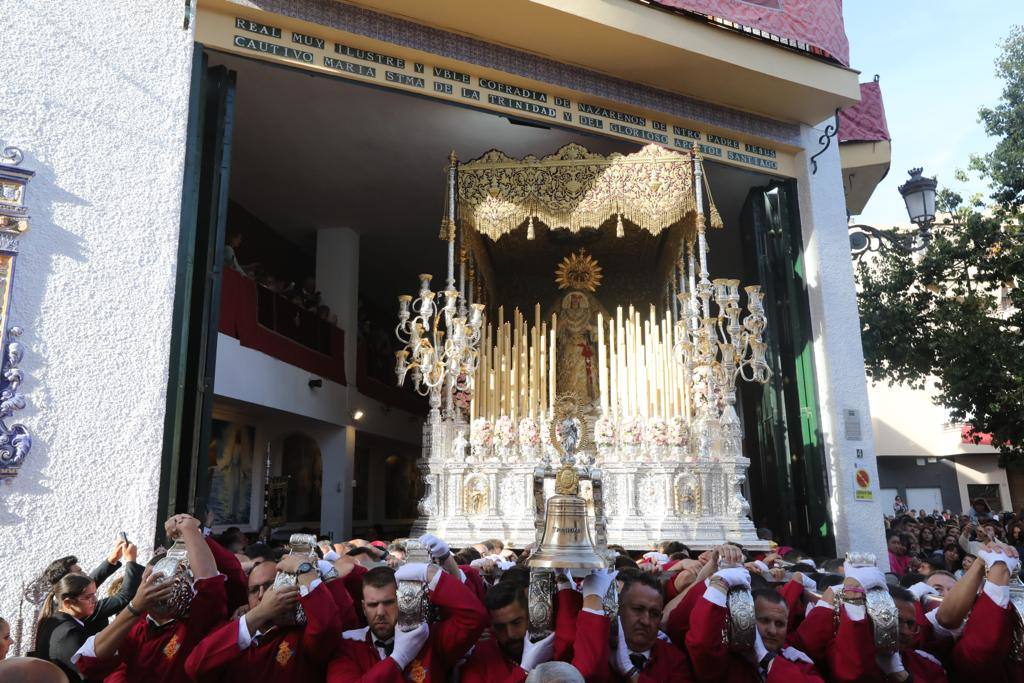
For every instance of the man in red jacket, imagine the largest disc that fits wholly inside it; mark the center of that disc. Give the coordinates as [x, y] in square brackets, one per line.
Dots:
[261, 644]
[150, 645]
[771, 660]
[640, 655]
[853, 656]
[511, 654]
[381, 652]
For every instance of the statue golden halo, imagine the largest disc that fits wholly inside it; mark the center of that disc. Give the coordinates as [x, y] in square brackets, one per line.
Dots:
[578, 271]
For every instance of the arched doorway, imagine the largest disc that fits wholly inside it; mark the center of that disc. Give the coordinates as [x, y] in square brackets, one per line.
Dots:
[300, 462]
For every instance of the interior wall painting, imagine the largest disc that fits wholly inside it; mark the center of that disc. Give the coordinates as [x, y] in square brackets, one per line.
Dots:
[231, 456]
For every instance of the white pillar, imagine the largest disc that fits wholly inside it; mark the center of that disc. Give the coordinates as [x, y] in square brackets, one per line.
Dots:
[838, 354]
[336, 481]
[337, 278]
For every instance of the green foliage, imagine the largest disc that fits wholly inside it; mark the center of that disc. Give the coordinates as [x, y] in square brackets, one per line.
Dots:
[955, 310]
[1004, 165]
[938, 314]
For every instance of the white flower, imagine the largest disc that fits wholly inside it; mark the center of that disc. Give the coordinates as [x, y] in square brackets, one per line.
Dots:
[656, 432]
[481, 433]
[529, 433]
[604, 431]
[505, 432]
[631, 430]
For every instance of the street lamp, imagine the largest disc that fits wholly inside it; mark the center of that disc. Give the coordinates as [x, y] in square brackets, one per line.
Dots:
[919, 196]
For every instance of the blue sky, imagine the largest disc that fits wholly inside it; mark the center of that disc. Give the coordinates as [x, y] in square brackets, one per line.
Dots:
[936, 59]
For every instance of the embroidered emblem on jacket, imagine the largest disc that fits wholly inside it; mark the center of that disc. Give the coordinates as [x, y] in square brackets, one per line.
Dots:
[284, 653]
[417, 672]
[172, 647]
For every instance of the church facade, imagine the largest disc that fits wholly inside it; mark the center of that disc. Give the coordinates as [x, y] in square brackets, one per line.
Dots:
[311, 137]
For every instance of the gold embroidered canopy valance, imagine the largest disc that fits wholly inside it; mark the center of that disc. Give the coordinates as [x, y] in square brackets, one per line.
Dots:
[575, 188]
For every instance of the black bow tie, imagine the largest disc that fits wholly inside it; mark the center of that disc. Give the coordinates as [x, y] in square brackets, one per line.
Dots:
[387, 645]
[639, 661]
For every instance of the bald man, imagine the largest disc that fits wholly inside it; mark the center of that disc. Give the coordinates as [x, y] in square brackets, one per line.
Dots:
[30, 670]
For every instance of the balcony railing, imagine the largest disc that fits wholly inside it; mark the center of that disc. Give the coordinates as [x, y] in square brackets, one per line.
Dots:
[268, 322]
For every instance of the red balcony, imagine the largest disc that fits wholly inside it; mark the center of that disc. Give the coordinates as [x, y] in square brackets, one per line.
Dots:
[268, 322]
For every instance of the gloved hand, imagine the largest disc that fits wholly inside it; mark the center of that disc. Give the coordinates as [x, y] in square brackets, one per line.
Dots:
[537, 653]
[994, 553]
[412, 571]
[597, 582]
[735, 576]
[921, 589]
[867, 577]
[437, 547]
[564, 580]
[890, 664]
[408, 644]
[620, 658]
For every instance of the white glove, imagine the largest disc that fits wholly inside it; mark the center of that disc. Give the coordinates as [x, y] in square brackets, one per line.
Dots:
[890, 664]
[597, 582]
[537, 653]
[762, 567]
[620, 658]
[991, 557]
[735, 576]
[564, 580]
[408, 644]
[921, 589]
[868, 577]
[504, 565]
[656, 558]
[437, 547]
[412, 571]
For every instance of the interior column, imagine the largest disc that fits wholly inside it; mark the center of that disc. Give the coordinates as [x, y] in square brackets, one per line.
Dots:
[337, 278]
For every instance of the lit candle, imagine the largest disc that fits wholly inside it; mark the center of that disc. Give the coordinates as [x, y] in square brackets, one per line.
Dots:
[552, 364]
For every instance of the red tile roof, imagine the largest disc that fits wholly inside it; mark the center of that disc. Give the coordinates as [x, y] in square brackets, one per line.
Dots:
[865, 121]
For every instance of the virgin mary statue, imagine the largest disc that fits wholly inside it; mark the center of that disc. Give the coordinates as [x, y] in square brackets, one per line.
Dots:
[576, 361]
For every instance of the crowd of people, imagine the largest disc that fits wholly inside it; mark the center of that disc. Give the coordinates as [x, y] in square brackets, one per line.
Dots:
[335, 617]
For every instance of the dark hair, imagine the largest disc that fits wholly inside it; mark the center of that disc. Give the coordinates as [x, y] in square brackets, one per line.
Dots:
[261, 550]
[494, 543]
[902, 594]
[467, 555]
[70, 587]
[639, 579]
[503, 594]
[758, 582]
[679, 556]
[937, 563]
[910, 578]
[803, 567]
[825, 581]
[769, 594]
[619, 549]
[625, 562]
[517, 575]
[58, 569]
[362, 550]
[379, 577]
[832, 565]
[673, 547]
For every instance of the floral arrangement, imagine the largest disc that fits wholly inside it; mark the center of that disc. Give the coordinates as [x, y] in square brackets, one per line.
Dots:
[529, 432]
[678, 432]
[504, 432]
[481, 433]
[604, 431]
[656, 432]
[631, 430]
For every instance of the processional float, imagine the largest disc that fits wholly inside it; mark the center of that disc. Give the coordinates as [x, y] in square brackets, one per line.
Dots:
[654, 390]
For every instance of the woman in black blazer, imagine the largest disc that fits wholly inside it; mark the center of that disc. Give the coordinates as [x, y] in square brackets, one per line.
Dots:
[62, 629]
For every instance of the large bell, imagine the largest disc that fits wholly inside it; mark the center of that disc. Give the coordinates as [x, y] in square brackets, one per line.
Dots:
[566, 542]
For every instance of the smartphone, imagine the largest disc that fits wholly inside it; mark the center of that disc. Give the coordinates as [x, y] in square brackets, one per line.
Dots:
[124, 537]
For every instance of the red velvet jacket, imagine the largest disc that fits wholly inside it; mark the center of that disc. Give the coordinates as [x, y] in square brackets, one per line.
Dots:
[852, 657]
[283, 655]
[488, 664]
[713, 661]
[358, 661]
[668, 664]
[983, 649]
[156, 654]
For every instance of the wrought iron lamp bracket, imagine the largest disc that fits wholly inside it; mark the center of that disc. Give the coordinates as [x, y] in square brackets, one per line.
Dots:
[865, 238]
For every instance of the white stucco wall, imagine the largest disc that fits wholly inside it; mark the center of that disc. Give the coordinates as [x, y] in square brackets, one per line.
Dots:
[838, 355]
[95, 93]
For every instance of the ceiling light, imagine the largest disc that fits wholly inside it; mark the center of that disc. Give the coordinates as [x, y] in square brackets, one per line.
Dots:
[357, 415]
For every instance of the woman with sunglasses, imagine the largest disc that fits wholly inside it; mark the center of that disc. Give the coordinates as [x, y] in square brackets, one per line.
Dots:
[61, 629]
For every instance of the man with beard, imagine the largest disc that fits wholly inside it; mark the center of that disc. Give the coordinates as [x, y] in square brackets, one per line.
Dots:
[381, 652]
[511, 654]
[265, 643]
[770, 660]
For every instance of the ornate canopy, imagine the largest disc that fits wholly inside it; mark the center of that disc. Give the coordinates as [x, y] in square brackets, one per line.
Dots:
[574, 189]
